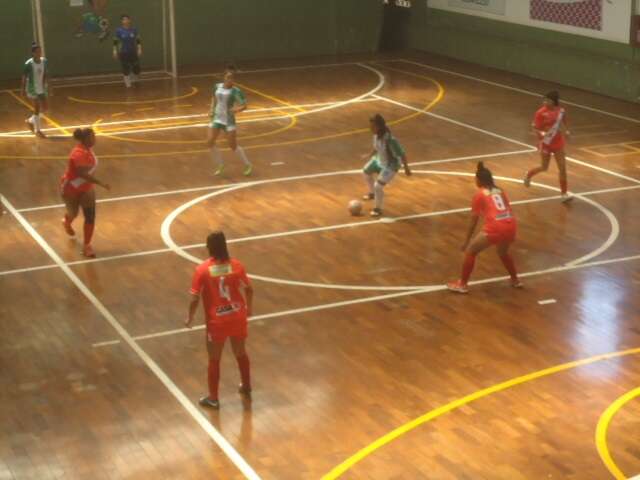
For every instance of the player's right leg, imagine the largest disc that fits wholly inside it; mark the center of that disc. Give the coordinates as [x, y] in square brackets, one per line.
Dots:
[545, 157]
[88, 204]
[479, 243]
[370, 170]
[212, 138]
[215, 345]
[238, 347]
[502, 249]
[72, 204]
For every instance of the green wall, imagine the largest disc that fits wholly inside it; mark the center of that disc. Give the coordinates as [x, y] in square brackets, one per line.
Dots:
[16, 35]
[214, 31]
[606, 67]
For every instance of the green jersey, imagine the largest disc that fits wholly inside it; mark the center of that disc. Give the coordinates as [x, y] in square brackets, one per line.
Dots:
[389, 151]
[36, 73]
[226, 98]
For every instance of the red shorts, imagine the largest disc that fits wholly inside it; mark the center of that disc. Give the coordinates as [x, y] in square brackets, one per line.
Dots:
[501, 232]
[552, 147]
[69, 191]
[219, 332]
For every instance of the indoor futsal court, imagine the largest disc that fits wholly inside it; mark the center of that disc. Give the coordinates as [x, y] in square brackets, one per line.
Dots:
[364, 363]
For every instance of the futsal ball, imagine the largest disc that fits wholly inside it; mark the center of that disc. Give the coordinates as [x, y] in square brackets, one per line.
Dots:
[355, 207]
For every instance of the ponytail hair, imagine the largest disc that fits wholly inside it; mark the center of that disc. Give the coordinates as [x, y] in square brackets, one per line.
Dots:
[380, 124]
[217, 246]
[484, 176]
[83, 134]
[554, 96]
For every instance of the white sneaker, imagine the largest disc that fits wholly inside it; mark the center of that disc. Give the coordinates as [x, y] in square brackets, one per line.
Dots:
[566, 197]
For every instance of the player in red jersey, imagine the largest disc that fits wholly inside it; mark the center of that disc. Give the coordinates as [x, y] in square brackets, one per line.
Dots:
[550, 123]
[76, 186]
[499, 229]
[227, 297]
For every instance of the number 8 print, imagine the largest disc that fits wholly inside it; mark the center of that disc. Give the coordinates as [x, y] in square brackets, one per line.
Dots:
[498, 202]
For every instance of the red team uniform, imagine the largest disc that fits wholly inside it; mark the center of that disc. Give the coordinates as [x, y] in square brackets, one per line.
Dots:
[499, 221]
[550, 120]
[220, 285]
[71, 184]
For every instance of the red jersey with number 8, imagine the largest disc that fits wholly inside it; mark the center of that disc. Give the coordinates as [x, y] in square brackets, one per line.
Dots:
[220, 285]
[499, 221]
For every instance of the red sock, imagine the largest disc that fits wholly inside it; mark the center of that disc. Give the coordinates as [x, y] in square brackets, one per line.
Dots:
[467, 267]
[563, 186]
[245, 370]
[214, 378]
[507, 261]
[88, 232]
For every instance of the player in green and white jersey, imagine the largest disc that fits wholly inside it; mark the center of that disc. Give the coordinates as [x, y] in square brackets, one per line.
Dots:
[34, 86]
[227, 101]
[384, 161]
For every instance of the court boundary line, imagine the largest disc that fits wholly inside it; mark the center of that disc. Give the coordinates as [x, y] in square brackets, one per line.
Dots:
[390, 296]
[508, 139]
[231, 453]
[602, 429]
[516, 89]
[438, 412]
[276, 234]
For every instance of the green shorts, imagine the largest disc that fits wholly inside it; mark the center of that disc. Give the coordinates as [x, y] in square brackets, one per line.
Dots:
[222, 126]
[36, 96]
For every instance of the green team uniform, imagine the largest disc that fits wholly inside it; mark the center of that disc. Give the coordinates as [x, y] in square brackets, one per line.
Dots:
[387, 160]
[35, 73]
[226, 98]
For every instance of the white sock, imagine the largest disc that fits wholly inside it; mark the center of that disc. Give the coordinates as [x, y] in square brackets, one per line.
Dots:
[217, 157]
[370, 182]
[134, 78]
[32, 119]
[127, 80]
[379, 191]
[36, 122]
[243, 156]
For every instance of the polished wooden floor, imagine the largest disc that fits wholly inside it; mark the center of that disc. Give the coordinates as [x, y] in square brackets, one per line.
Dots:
[354, 335]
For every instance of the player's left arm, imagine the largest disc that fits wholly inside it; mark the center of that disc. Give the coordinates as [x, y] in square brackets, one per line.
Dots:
[472, 228]
[565, 125]
[193, 307]
[242, 102]
[138, 43]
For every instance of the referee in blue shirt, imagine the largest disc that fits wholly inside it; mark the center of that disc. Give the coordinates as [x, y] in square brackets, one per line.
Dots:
[127, 47]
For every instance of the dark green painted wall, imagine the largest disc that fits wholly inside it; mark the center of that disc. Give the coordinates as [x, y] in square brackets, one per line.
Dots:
[211, 31]
[610, 68]
[16, 35]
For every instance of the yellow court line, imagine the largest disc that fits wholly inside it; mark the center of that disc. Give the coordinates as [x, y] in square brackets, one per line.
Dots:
[119, 114]
[271, 97]
[430, 105]
[145, 109]
[438, 412]
[603, 427]
[193, 92]
[51, 121]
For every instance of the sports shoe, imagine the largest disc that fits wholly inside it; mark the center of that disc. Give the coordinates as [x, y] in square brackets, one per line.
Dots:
[566, 197]
[376, 212]
[247, 171]
[209, 402]
[244, 390]
[219, 170]
[88, 252]
[458, 287]
[40, 134]
[368, 196]
[527, 180]
[30, 125]
[517, 283]
[68, 228]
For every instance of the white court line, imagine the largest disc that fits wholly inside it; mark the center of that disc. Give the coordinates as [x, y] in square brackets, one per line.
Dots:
[388, 296]
[502, 137]
[165, 233]
[548, 301]
[296, 232]
[215, 187]
[20, 133]
[515, 89]
[214, 74]
[213, 433]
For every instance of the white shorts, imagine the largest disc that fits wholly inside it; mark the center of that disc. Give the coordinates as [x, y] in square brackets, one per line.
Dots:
[386, 175]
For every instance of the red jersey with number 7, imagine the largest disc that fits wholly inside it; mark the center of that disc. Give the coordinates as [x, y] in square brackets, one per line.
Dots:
[493, 205]
[220, 285]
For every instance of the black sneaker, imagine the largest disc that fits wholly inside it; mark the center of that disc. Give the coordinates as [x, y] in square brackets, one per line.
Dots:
[368, 196]
[242, 390]
[208, 402]
[376, 212]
